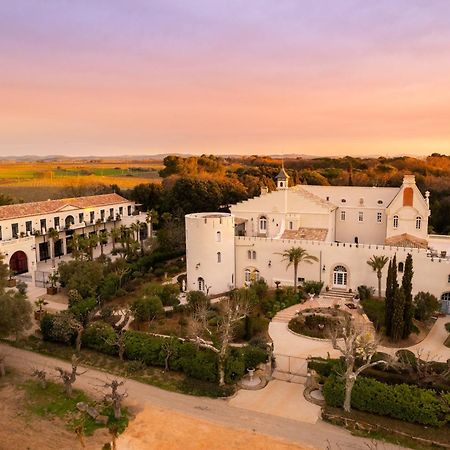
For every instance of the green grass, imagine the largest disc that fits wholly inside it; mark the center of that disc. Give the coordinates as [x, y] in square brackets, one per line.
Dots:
[53, 402]
[154, 376]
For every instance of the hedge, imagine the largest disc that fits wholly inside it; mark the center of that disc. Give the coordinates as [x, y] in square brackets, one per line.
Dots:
[198, 363]
[401, 401]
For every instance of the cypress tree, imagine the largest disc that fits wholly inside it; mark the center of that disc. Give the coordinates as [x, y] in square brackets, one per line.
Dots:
[388, 301]
[397, 315]
[408, 301]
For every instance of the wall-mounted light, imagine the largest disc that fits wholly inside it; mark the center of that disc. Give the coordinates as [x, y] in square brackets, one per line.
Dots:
[323, 268]
[197, 265]
[270, 263]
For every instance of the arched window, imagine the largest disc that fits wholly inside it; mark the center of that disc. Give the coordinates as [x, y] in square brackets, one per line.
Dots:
[446, 297]
[69, 221]
[401, 267]
[255, 275]
[201, 284]
[418, 222]
[342, 215]
[247, 275]
[219, 257]
[249, 254]
[395, 222]
[254, 254]
[340, 276]
[263, 224]
[218, 236]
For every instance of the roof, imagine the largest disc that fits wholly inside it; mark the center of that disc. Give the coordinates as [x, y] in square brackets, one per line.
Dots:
[308, 234]
[282, 174]
[407, 240]
[355, 196]
[53, 206]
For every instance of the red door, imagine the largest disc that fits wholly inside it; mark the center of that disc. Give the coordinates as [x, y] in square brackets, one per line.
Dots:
[19, 262]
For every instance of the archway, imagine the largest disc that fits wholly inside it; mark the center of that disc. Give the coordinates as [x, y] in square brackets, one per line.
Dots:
[340, 277]
[19, 262]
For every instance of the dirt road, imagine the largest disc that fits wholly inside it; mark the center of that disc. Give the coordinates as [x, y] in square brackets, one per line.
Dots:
[141, 396]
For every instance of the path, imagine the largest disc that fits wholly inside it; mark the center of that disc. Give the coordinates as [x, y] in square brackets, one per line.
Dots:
[218, 411]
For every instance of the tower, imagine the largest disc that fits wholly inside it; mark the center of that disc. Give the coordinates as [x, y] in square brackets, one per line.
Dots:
[282, 178]
[210, 252]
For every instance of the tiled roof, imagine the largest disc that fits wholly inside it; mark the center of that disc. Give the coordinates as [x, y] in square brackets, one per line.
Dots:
[53, 206]
[308, 234]
[407, 240]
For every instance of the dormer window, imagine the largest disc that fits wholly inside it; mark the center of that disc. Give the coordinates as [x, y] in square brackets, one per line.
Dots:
[395, 222]
[418, 223]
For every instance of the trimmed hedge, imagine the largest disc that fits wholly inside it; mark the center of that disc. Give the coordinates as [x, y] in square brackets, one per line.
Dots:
[401, 401]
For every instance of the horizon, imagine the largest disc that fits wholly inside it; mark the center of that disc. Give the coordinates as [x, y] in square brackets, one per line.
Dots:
[319, 78]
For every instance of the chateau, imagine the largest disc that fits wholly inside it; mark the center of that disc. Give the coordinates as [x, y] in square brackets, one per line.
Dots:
[343, 226]
[24, 227]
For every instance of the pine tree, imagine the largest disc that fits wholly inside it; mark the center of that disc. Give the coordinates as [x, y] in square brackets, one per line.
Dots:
[408, 301]
[388, 301]
[397, 315]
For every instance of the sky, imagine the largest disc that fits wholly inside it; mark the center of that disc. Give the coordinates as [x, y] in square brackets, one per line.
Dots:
[317, 77]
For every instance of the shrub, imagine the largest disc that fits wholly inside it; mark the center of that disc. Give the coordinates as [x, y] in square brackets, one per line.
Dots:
[84, 276]
[365, 292]
[375, 309]
[313, 287]
[325, 367]
[81, 309]
[447, 326]
[100, 336]
[401, 401]
[168, 293]
[110, 286]
[58, 327]
[253, 356]
[147, 308]
[47, 326]
[196, 298]
[425, 305]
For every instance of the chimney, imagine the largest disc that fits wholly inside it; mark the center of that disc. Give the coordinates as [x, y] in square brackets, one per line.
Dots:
[409, 179]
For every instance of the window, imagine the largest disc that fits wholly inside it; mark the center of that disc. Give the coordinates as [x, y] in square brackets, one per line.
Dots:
[111, 213]
[255, 275]
[379, 217]
[249, 254]
[395, 222]
[102, 214]
[360, 216]
[201, 284]
[129, 210]
[92, 216]
[253, 254]
[218, 236]
[80, 217]
[401, 267]
[56, 221]
[380, 202]
[29, 226]
[448, 278]
[418, 222]
[69, 221]
[121, 210]
[291, 225]
[1, 233]
[445, 297]
[263, 224]
[342, 215]
[219, 257]
[343, 200]
[15, 230]
[43, 225]
[247, 275]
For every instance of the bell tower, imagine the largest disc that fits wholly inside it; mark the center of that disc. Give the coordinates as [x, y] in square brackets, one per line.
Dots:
[282, 179]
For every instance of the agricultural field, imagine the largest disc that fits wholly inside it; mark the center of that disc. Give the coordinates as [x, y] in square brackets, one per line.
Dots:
[32, 181]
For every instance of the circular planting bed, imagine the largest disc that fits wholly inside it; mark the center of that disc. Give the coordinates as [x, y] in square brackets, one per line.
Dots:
[319, 322]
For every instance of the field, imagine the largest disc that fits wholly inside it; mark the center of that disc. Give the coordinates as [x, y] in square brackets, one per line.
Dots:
[31, 181]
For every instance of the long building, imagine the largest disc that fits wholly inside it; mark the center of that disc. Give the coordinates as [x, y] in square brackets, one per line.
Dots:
[24, 227]
[343, 226]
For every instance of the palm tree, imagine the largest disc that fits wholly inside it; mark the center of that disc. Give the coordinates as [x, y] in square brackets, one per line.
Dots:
[294, 256]
[115, 236]
[377, 263]
[53, 235]
[102, 239]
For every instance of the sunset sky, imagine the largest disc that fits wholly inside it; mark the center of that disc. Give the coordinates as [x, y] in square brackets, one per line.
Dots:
[109, 77]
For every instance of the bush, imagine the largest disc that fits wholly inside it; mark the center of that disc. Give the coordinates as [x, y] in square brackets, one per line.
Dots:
[447, 326]
[365, 292]
[325, 367]
[84, 276]
[425, 305]
[313, 287]
[401, 401]
[147, 308]
[375, 310]
[110, 286]
[168, 293]
[81, 309]
[100, 336]
[196, 298]
[58, 327]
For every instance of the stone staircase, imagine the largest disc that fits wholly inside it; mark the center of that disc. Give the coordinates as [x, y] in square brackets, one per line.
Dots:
[285, 315]
[340, 294]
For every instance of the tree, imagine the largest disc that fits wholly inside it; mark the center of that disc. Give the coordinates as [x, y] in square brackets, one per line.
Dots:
[357, 348]
[294, 256]
[15, 316]
[41, 375]
[115, 236]
[425, 305]
[115, 398]
[84, 276]
[102, 239]
[69, 377]
[232, 310]
[408, 312]
[53, 236]
[377, 263]
[389, 297]
[398, 312]
[147, 308]
[197, 298]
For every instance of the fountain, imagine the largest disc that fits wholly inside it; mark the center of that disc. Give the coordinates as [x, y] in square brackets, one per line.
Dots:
[250, 381]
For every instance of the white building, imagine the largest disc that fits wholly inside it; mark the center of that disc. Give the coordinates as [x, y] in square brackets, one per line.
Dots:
[343, 226]
[24, 227]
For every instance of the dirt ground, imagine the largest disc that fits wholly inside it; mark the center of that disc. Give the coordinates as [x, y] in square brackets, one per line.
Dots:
[21, 430]
[155, 428]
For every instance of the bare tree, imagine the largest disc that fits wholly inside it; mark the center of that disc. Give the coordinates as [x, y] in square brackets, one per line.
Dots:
[41, 375]
[69, 377]
[118, 341]
[114, 397]
[233, 308]
[358, 348]
[169, 349]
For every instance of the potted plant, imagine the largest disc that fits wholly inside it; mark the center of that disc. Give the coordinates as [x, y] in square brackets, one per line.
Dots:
[52, 279]
[11, 279]
[40, 303]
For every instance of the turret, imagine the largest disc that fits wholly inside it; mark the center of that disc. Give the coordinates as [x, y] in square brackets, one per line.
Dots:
[282, 179]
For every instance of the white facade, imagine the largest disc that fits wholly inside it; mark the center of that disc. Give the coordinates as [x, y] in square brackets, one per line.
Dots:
[342, 226]
[24, 227]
